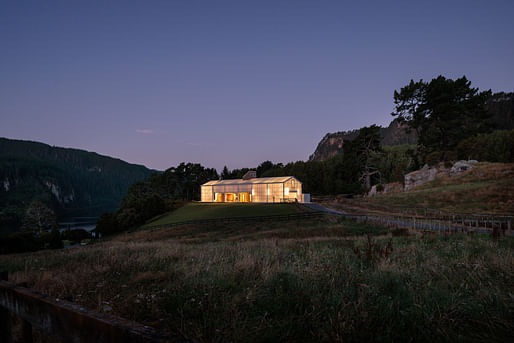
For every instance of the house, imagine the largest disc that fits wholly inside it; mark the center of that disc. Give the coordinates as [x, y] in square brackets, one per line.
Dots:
[253, 189]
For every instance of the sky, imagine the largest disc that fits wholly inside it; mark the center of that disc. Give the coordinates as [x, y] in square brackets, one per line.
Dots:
[231, 82]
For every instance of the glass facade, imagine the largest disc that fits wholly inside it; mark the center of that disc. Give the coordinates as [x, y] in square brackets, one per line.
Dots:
[264, 190]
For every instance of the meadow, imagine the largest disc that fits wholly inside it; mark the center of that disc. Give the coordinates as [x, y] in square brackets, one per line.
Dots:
[203, 211]
[487, 188]
[328, 280]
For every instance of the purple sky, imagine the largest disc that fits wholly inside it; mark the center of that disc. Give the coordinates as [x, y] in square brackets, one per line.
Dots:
[231, 83]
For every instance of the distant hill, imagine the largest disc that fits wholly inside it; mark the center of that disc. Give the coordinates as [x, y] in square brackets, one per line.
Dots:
[500, 106]
[73, 182]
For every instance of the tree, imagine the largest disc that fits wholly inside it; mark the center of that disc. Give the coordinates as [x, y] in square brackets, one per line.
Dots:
[107, 224]
[39, 217]
[225, 174]
[368, 145]
[442, 111]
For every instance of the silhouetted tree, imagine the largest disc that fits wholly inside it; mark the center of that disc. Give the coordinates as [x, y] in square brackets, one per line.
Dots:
[39, 217]
[225, 174]
[443, 111]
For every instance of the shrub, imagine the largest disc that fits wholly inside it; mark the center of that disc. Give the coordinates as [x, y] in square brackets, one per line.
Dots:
[497, 146]
[433, 158]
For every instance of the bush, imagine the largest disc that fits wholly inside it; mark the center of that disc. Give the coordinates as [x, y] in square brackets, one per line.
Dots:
[51, 240]
[19, 242]
[497, 146]
[107, 224]
[433, 158]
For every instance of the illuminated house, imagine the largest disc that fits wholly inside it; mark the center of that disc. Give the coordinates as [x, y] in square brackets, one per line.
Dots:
[253, 189]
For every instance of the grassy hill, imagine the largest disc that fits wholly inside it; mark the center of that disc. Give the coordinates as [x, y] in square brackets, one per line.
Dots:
[487, 188]
[316, 280]
[202, 211]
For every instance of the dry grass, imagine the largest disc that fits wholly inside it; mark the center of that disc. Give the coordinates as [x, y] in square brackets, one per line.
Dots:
[290, 282]
[488, 188]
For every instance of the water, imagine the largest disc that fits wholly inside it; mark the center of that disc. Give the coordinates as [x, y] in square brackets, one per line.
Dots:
[74, 223]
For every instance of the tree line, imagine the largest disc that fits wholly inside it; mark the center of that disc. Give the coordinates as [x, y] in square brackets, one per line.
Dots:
[449, 117]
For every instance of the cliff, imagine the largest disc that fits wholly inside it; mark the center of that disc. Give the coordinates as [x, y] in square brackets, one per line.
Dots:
[500, 107]
[332, 143]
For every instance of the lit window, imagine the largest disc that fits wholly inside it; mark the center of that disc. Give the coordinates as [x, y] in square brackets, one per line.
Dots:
[286, 191]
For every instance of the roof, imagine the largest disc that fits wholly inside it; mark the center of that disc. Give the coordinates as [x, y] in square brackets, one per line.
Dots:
[257, 180]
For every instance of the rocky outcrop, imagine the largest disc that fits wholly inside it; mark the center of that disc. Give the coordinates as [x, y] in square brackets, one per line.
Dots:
[419, 177]
[385, 188]
[500, 107]
[462, 166]
[332, 143]
[427, 174]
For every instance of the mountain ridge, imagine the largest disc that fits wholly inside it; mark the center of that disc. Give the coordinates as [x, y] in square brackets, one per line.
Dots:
[74, 182]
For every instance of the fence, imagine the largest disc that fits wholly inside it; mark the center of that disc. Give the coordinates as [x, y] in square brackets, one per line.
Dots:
[445, 222]
[423, 218]
[64, 320]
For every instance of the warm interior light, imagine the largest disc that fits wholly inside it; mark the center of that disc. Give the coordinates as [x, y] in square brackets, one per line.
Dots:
[253, 193]
[268, 191]
[286, 191]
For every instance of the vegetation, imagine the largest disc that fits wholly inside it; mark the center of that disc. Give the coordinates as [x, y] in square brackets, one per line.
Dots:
[487, 188]
[39, 218]
[19, 242]
[200, 211]
[396, 161]
[322, 280]
[443, 111]
[497, 146]
[156, 195]
[346, 173]
[70, 182]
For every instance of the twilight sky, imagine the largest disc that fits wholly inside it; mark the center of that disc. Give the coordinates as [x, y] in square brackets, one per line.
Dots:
[231, 82]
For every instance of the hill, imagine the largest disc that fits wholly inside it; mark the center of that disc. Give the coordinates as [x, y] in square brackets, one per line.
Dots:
[332, 144]
[73, 182]
[500, 107]
[203, 211]
[488, 188]
[299, 281]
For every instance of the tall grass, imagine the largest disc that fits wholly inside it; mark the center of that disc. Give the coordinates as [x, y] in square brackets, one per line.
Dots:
[278, 287]
[487, 188]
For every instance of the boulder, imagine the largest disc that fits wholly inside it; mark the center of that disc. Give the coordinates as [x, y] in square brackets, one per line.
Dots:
[387, 188]
[461, 166]
[419, 177]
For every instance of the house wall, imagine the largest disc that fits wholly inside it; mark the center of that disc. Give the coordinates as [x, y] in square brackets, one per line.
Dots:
[259, 193]
[206, 194]
[271, 192]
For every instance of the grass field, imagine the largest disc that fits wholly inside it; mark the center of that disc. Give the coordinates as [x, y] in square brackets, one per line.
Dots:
[488, 188]
[300, 281]
[201, 211]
